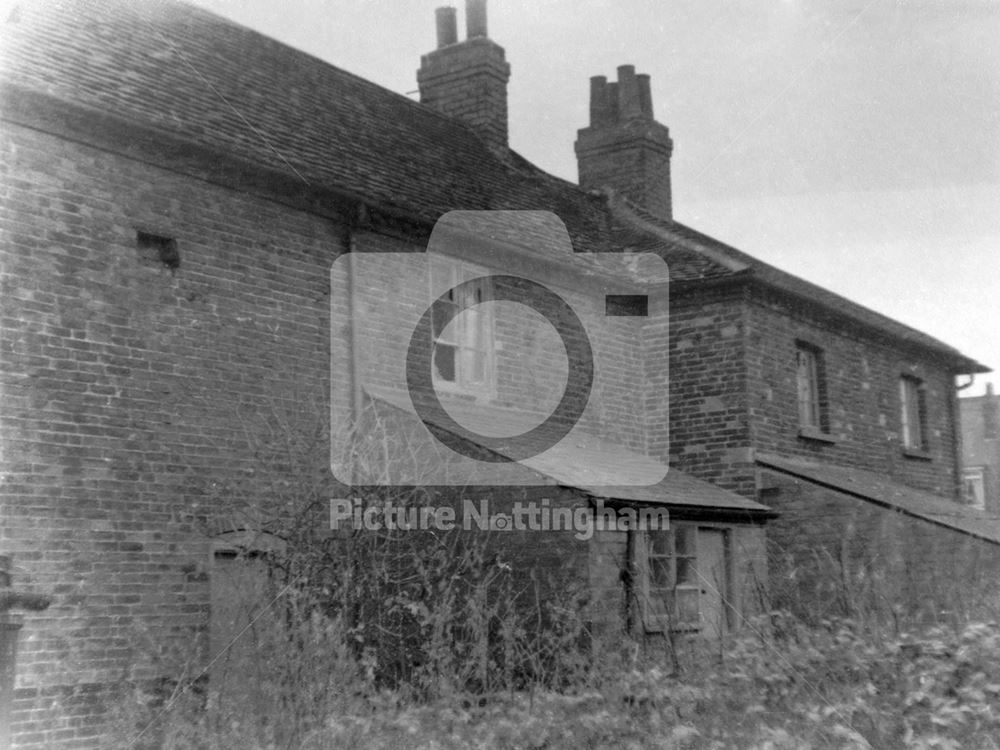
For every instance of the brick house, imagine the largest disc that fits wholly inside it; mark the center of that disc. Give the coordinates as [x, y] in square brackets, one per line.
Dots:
[981, 449]
[176, 191]
[842, 420]
[169, 230]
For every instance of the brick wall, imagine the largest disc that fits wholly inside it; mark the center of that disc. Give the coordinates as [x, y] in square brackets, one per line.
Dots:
[127, 387]
[733, 385]
[627, 404]
[145, 393]
[623, 147]
[709, 427]
[862, 379]
[468, 80]
[833, 555]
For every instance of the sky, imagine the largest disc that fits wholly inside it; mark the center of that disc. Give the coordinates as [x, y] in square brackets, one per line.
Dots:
[855, 143]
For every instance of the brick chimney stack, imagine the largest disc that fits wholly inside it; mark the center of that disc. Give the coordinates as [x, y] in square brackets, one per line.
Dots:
[467, 79]
[624, 148]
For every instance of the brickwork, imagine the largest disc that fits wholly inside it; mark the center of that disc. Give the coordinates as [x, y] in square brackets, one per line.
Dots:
[861, 376]
[134, 370]
[123, 385]
[710, 433]
[733, 387]
[531, 372]
[733, 391]
[833, 555]
[468, 81]
[155, 323]
[624, 148]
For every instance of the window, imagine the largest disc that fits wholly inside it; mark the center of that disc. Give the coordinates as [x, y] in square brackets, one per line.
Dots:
[463, 345]
[973, 486]
[668, 579]
[913, 413]
[811, 389]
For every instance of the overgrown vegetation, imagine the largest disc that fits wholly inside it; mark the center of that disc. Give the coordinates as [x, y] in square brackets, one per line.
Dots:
[422, 640]
[785, 686]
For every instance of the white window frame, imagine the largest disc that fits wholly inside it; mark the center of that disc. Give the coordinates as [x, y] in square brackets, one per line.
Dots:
[470, 336]
[913, 413]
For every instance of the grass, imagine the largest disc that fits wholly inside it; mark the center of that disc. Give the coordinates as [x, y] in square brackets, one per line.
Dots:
[498, 681]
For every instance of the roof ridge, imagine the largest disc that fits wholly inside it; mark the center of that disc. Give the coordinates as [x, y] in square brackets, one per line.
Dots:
[768, 273]
[642, 219]
[523, 163]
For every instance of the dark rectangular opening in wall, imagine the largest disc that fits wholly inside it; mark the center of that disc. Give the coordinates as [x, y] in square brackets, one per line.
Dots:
[626, 305]
[156, 248]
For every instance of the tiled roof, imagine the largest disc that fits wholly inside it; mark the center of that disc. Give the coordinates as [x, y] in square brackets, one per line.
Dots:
[875, 488]
[196, 76]
[223, 86]
[582, 460]
[739, 262]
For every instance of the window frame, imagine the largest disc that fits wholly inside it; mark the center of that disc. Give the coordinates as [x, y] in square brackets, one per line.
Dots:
[913, 414]
[661, 605]
[463, 339]
[813, 409]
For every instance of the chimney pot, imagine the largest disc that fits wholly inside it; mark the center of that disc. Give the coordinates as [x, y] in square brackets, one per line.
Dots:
[447, 27]
[467, 80]
[628, 93]
[599, 114]
[645, 95]
[625, 148]
[475, 18]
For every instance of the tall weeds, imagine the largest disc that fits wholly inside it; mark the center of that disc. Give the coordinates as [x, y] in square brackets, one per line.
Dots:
[419, 639]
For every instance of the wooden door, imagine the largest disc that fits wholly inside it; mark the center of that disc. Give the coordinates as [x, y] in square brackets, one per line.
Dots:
[713, 578]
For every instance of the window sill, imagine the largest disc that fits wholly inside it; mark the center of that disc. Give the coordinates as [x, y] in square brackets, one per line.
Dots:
[917, 454]
[448, 390]
[811, 433]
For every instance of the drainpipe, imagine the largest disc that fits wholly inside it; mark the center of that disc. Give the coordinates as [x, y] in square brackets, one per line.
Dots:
[357, 370]
[10, 625]
[357, 404]
[955, 417]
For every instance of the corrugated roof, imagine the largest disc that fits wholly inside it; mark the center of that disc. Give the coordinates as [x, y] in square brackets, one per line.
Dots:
[866, 485]
[582, 461]
[199, 77]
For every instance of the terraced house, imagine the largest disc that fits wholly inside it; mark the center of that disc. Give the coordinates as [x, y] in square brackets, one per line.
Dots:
[177, 189]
